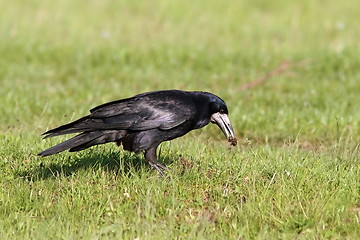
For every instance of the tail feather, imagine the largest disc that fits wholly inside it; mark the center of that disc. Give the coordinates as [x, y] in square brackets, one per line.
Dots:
[72, 142]
[85, 140]
[107, 136]
[73, 127]
[85, 124]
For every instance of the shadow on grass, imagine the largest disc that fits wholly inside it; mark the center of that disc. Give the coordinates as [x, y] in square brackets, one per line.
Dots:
[124, 163]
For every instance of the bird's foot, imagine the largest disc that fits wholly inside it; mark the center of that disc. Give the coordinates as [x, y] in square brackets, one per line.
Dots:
[159, 167]
[162, 166]
[150, 156]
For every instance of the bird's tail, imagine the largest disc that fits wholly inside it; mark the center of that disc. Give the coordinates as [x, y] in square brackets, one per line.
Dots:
[81, 125]
[85, 140]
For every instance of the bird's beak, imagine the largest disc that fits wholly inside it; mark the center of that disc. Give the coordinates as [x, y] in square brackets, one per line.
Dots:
[222, 120]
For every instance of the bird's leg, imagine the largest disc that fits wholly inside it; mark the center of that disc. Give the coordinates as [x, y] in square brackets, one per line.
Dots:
[150, 156]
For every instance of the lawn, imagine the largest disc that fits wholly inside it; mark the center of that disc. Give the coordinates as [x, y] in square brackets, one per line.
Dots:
[288, 71]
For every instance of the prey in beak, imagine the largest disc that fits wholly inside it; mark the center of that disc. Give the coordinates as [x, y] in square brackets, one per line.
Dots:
[222, 120]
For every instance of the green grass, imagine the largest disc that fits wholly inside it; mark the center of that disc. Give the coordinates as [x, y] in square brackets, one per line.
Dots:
[294, 174]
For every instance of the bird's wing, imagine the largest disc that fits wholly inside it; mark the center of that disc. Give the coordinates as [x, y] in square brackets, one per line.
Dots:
[163, 110]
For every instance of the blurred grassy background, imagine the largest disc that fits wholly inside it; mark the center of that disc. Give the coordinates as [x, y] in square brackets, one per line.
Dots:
[88, 53]
[289, 72]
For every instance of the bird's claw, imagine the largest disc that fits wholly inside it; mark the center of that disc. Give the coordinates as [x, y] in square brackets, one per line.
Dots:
[159, 167]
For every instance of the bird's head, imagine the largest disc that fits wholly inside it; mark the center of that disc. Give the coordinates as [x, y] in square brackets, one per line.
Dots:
[219, 116]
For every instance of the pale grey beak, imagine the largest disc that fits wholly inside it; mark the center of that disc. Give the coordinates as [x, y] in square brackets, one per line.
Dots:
[222, 120]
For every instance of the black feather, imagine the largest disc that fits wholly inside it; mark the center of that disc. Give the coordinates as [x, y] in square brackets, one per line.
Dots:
[72, 142]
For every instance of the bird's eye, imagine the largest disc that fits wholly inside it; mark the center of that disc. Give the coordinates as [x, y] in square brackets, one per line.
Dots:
[222, 111]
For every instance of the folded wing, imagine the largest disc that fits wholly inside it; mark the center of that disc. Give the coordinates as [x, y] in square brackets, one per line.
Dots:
[163, 110]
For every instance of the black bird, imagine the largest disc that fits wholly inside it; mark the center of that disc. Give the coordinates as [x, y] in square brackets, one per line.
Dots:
[142, 122]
